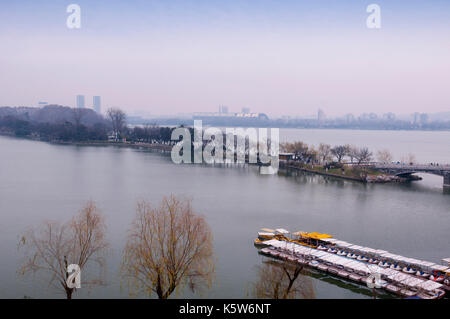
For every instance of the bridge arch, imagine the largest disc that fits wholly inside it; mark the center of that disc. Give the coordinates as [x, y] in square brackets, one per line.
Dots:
[406, 170]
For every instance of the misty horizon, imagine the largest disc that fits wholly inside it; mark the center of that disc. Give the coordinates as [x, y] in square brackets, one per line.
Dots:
[291, 58]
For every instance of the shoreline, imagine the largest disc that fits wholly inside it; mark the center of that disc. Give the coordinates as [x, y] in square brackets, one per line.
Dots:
[326, 174]
[160, 147]
[369, 179]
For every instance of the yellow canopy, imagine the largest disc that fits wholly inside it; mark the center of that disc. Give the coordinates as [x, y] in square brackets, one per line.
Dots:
[316, 235]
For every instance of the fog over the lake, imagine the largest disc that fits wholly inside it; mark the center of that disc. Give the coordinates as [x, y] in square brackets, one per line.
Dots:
[289, 57]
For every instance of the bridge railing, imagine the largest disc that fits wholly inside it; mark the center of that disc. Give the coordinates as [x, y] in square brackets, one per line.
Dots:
[433, 167]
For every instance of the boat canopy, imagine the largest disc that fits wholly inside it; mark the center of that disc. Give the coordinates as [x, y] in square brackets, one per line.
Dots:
[265, 234]
[330, 240]
[342, 244]
[355, 247]
[267, 230]
[282, 231]
[430, 285]
[439, 267]
[446, 260]
[299, 233]
[316, 235]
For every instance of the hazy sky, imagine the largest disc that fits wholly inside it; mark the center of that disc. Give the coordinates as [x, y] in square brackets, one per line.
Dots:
[277, 57]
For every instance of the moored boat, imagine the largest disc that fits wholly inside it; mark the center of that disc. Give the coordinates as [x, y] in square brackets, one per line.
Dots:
[409, 270]
[422, 274]
[396, 267]
[342, 253]
[435, 294]
[259, 243]
[362, 258]
[393, 288]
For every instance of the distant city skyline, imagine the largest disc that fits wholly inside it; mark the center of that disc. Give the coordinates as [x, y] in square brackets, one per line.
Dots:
[97, 104]
[81, 102]
[279, 58]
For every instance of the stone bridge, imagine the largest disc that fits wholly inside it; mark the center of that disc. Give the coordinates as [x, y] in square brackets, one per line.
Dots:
[407, 169]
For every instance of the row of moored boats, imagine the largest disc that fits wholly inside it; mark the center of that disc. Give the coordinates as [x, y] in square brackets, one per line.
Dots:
[400, 275]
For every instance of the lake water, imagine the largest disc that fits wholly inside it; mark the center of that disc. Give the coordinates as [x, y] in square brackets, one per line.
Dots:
[41, 181]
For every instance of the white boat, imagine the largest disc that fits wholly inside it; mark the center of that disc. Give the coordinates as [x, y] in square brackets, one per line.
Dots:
[409, 270]
[362, 258]
[407, 293]
[434, 294]
[352, 256]
[323, 248]
[422, 274]
[396, 267]
[373, 261]
[332, 250]
[342, 253]
[384, 264]
[393, 288]
[314, 263]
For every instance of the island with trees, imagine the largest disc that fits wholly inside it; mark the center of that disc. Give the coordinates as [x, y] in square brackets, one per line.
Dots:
[341, 161]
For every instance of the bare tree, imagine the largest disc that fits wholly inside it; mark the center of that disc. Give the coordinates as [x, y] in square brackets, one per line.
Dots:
[117, 117]
[324, 152]
[351, 152]
[53, 246]
[168, 247]
[282, 280]
[363, 155]
[339, 152]
[384, 156]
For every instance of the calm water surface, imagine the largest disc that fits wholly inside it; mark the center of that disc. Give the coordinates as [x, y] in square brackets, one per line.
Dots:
[40, 181]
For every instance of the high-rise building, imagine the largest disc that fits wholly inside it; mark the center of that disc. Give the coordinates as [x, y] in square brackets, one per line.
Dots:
[245, 110]
[416, 118]
[97, 104]
[321, 116]
[80, 101]
[223, 109]
[349, 118]
[424, 118]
